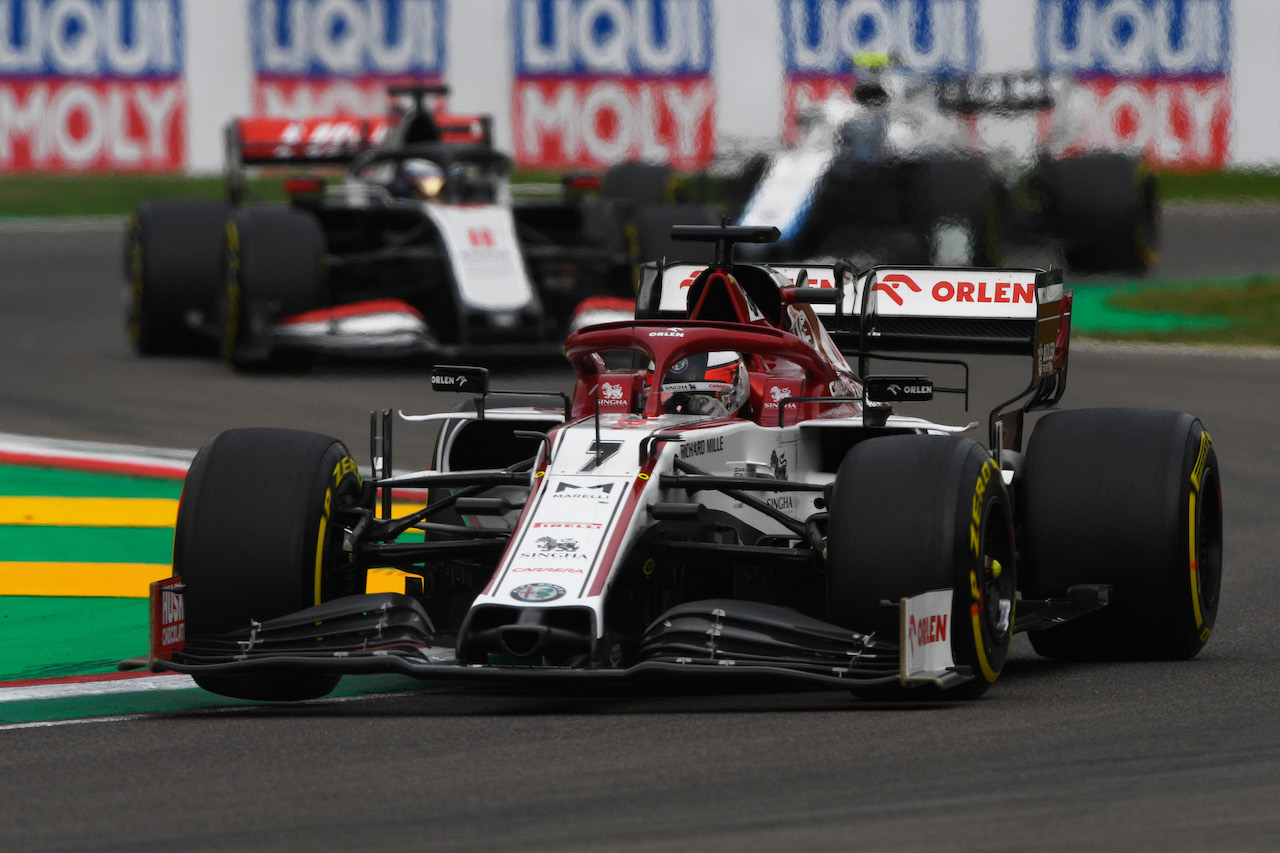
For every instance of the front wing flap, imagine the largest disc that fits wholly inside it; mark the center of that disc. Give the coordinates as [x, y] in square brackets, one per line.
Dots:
[391, 633]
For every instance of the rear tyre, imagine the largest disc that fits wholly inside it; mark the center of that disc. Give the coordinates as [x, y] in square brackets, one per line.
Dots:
[274, 268]
[254, 541]
[1106, 209]
[649, 233]
[1131, 498]
[173, 263]
[915, 513]
[637, 183]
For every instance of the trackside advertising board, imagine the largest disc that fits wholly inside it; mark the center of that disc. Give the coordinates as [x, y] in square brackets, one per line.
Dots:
[337, 57]
[600, 81]
[91, 85]
[932, 38]
[1155, 74]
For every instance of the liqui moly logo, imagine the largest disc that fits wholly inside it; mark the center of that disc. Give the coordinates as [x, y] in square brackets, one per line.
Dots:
[336, 57]
[933, 37]
[91, 85]
[623, 37]
[1134, 38]
[601, 81]
[117, 38]
[348, 37]
[1154, 75]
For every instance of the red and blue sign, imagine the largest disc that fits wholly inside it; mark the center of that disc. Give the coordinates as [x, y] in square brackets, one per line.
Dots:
[1157, 73]
[91, 85]
[937, 39]
[604, 81]
[337, 57]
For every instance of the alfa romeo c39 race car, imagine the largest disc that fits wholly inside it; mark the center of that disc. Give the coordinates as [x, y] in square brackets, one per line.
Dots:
[418, 248]
[721, 496]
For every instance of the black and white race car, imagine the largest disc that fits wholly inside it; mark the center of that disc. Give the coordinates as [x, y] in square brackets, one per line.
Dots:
[417, 247]
[721, 496]
[903, 172]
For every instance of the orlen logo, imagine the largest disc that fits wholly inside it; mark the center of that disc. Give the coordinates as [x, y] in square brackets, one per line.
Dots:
[668, 333]
[929, 629]
[481, 238]
[961, 291]
[889, 285]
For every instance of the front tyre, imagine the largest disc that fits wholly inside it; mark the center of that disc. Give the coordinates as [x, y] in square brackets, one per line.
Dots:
[1130, 498]
[255, 540]
[173, 265]
[914, 513]
[274, 268]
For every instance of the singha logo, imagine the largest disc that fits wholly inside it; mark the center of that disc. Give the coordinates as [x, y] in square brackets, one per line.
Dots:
[610, 391]
[550, 543]
[778, 464]
[777, 392]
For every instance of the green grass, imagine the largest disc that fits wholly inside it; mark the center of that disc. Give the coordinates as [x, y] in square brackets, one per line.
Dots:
[108, 195]
[1227, 186]
[1239, 312]
[117, 195]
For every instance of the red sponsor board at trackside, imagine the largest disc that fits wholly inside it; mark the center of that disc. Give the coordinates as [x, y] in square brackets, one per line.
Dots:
[337, 57]
[602, 82]
[92, 125]
[92, 85]
[563, 122]
[1182, 123]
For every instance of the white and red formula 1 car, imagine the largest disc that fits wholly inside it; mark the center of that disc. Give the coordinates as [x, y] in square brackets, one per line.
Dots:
[417, 246]
[722, 495]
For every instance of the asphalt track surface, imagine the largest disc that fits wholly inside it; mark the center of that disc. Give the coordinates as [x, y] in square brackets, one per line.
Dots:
[1133, 756]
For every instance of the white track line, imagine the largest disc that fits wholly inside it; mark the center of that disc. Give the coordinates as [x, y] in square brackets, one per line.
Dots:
[76, 689]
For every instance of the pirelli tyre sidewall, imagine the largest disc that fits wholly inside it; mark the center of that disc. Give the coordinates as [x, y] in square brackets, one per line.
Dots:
[1131, 498]
[1105, 207]
[915, 513]
[255, 540]
[274, 264]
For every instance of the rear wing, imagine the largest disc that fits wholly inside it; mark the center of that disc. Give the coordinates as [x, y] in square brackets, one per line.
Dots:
[895, 308]
[336, 140]
[898, 312]
[282, 141]
[999, 92]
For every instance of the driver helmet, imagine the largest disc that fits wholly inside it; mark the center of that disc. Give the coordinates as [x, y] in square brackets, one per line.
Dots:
[708, 383]
[869, 71]
[423, 178]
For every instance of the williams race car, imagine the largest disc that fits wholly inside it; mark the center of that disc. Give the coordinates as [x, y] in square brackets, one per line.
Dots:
[418, 248]
[722, 496]
[903, 173]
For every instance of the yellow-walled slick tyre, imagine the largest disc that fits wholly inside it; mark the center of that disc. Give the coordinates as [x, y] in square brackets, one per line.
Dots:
[1130, 498]
[914, 513]
[254, 541]
[173, 266]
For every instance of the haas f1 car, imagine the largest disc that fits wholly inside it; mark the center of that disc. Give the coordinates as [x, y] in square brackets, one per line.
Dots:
[419, 247]
[722, 496]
